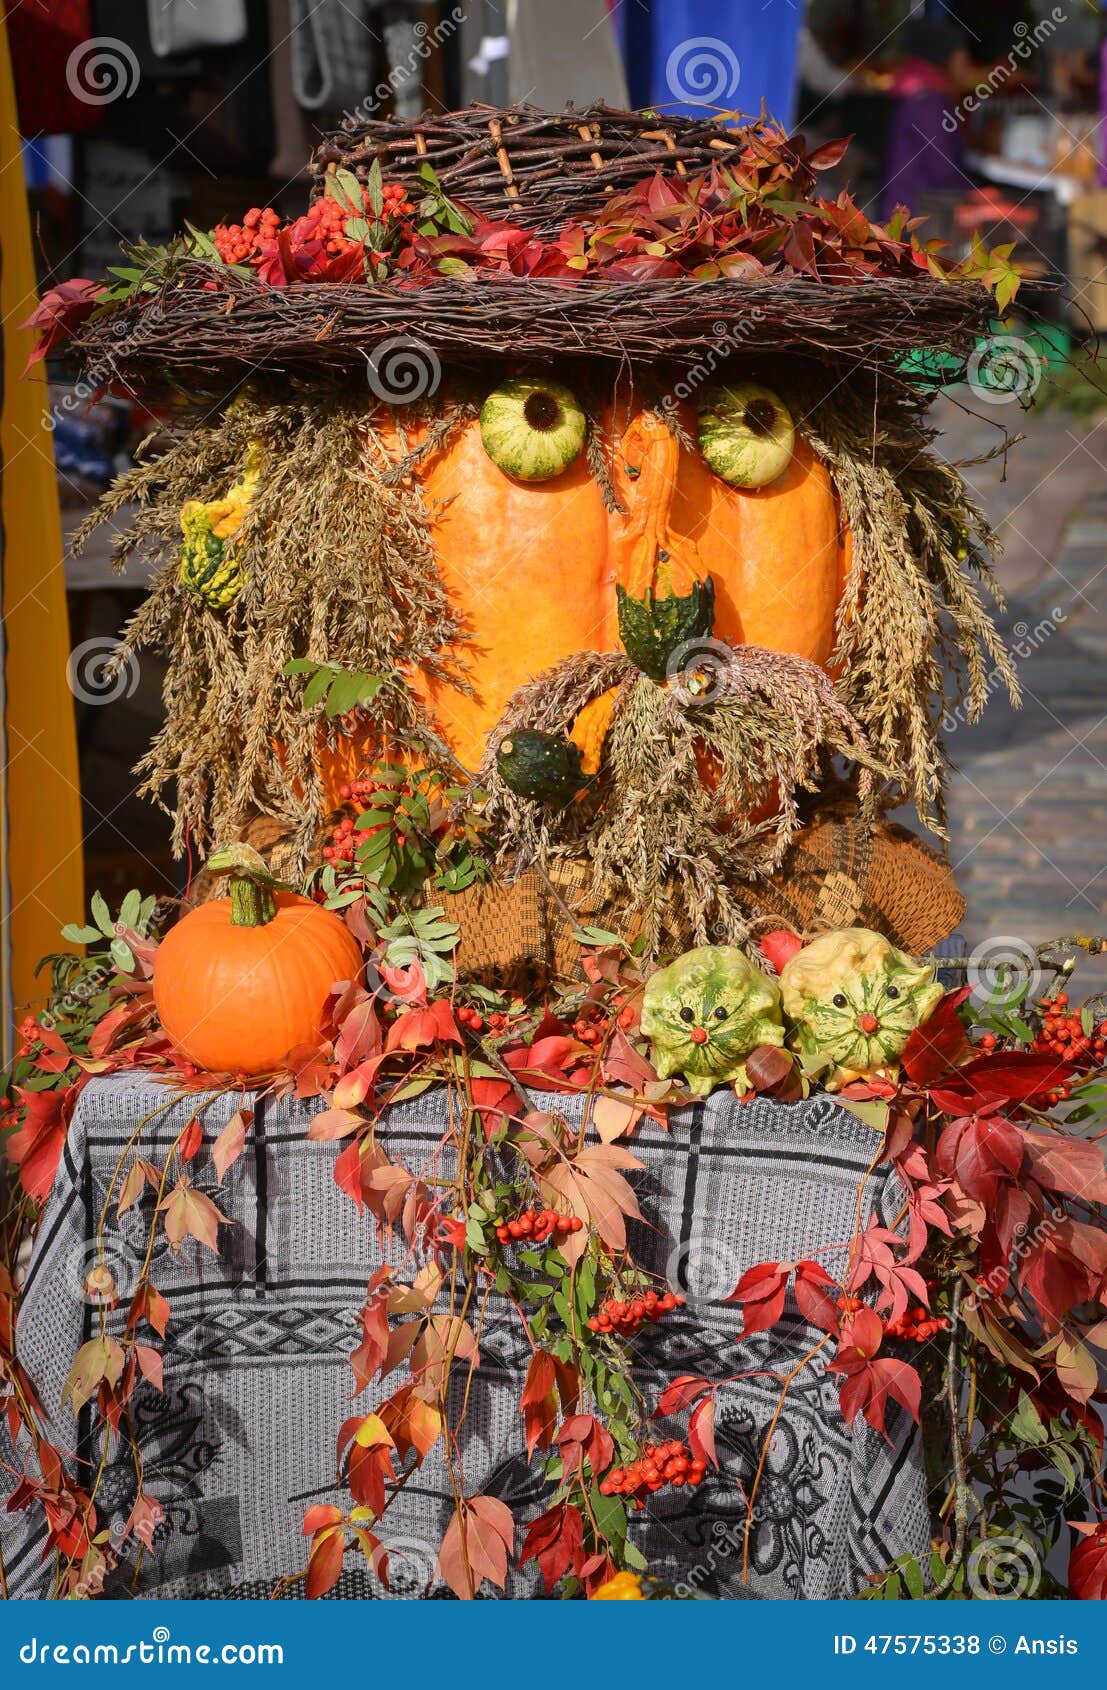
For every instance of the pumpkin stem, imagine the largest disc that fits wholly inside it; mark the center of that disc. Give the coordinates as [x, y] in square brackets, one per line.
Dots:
[252, 886]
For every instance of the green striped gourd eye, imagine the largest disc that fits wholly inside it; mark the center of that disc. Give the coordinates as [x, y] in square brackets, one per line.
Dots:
[532, 429]
[746, 433]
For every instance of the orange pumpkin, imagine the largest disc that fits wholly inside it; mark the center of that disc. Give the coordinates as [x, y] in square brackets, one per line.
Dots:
[241, 981]
[533, 566]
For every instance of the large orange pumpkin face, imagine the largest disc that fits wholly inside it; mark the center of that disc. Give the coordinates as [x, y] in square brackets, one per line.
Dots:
[532, 567]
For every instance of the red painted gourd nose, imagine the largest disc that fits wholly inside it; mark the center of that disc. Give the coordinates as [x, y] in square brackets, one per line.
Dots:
[868, 1023]
[699, 1035]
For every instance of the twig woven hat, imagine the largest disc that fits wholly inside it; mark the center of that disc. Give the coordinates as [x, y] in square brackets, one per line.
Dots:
[579, 454]
[785, 270]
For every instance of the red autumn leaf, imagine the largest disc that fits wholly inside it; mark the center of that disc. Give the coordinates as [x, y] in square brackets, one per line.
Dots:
[582, 1435]
[190, 1140]
[1088, 1562]
[681, 1393]
[1010, 1076]
[1072, 1165]
[761, 1291]
[190, 1214]
[829, 154]
[36, 1146]
[477, 1543]
[812, 1291]
[866, 1390]
[231, 1142]
[60, 312]
[151, 1365]
[941, 1043]
[989, 1151]
[144, 1519]
[538, 1402]
[701, 1432]
[367, 1357]
[556, 1542]
[324, 1567]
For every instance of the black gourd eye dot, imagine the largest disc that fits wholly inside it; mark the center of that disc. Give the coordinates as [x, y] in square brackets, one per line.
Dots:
[721, 1013]
[840, 1000]
[892, 992]
[687, 1014]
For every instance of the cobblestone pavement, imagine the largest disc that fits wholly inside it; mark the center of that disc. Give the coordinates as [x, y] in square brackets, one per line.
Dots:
[1028, 795]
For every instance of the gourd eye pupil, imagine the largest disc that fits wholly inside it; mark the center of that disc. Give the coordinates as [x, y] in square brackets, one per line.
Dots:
[721, 1013]
[840, 1000]
[892, 992]
[687, 1014]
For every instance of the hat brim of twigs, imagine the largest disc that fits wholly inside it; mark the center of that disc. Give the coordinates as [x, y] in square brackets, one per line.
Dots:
[206, 339]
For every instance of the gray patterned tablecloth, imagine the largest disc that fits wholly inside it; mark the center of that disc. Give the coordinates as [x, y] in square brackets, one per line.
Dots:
[257, 1381]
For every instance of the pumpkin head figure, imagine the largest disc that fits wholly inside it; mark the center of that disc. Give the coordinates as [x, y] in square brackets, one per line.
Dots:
[654, 540]
[853, 997]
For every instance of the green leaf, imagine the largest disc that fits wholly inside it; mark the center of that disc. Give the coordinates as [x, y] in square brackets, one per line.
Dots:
[101, 915]
[130, 908]
[80, 935]
[300, 666]
[913, 1579]
[316, 689]
[634, 1558]
[1026, 1422]
[344, 694]
[122, 956]
[374, 189]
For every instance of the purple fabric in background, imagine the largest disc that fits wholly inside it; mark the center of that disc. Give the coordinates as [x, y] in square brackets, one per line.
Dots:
[692, 56]
[922, 156]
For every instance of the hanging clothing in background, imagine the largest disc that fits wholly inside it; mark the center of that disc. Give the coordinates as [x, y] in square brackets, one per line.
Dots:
[182, 26]
[406, 31]
[562, 53]
[294, 136]
[332, 55]
[43, 45]
[41, 882]
[698, 56]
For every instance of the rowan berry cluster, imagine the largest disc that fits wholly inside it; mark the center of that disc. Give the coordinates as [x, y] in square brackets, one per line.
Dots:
[536, 1226]
[1062, 1034]
[658, 1465]
[916, 1325]
[241, 243]
[624, 1317]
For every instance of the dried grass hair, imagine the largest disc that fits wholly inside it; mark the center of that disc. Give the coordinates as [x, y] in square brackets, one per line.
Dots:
[764, 725]
[914, 612]
[339, 569]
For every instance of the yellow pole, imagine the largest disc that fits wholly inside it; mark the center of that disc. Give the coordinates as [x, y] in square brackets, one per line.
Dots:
[41, 880]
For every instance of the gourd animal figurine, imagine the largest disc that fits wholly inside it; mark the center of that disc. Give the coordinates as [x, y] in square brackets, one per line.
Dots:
[705, 1013]
[850, 995]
